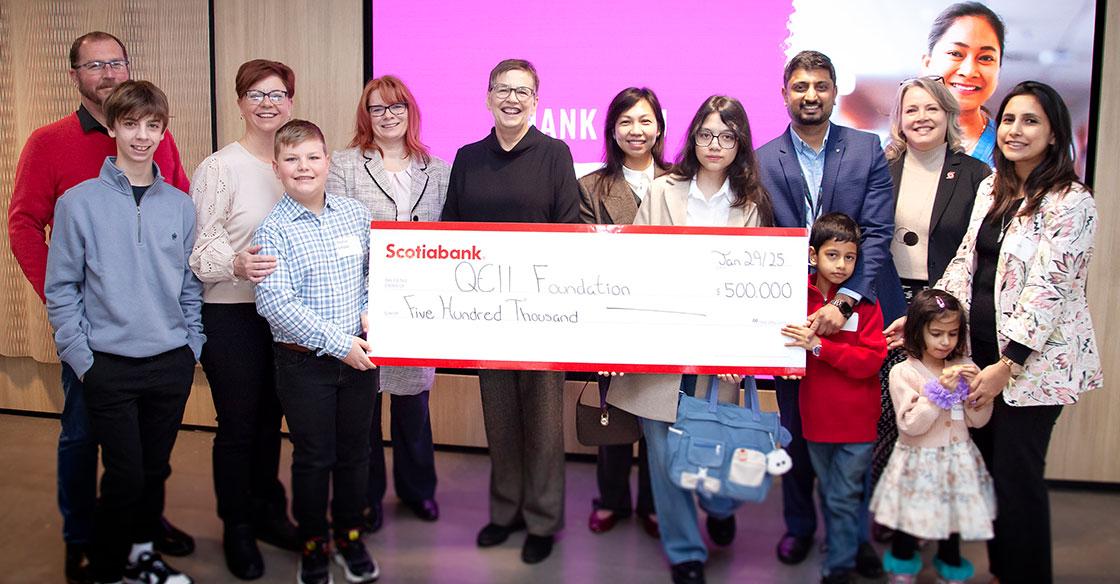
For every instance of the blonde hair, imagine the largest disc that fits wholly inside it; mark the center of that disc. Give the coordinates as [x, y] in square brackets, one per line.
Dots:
[297, 132]
[937, 90]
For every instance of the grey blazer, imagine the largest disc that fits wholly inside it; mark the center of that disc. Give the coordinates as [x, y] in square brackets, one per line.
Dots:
[361, 175]
[655, 396]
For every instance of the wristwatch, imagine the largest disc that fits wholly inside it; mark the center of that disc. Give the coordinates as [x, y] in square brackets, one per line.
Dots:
[845, 308]
[1012, 367]
[817, 350]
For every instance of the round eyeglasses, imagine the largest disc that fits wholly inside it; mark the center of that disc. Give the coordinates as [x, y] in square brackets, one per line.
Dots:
[727, 140]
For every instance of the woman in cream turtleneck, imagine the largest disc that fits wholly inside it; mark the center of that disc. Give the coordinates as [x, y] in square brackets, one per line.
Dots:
[935, 185]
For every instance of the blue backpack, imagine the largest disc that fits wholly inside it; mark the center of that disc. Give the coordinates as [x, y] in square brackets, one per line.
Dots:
[724, 450]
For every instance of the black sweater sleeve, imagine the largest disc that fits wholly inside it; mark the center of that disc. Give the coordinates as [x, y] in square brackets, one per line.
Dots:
[566, 205]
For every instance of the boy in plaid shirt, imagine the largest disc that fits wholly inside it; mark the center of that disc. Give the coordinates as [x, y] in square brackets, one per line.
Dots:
[315, 303]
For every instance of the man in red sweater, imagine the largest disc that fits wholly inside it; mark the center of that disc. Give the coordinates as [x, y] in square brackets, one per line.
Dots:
[56, 157]
[839, 396]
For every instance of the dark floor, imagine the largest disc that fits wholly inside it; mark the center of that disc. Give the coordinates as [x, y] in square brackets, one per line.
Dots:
[1086, 529]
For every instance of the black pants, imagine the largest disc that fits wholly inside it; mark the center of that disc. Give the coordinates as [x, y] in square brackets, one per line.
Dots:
[1014, 447]
[329, 407]
[237, 359]
[613, 473]
[414, 462]
[135, 407]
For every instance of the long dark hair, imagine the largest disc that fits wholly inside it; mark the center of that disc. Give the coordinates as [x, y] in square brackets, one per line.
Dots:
[743, 172]
[949, 16]
[1055, 173]
[613, 156]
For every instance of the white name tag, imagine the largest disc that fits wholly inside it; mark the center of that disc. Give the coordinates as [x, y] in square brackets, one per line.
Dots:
[1019, 246]
[852, 325]
[347, 246]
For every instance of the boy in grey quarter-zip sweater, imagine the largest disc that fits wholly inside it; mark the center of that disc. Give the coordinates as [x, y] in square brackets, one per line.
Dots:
[127, 314]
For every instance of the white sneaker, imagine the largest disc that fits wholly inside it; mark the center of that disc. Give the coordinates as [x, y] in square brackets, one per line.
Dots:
[150, 568]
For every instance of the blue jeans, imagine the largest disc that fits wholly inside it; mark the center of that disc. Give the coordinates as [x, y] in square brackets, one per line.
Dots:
[676, 510]
[77, 463]
[842, 471]
[798, 508]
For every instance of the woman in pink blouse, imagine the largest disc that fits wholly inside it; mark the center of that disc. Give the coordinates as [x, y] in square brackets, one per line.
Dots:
[233, 190]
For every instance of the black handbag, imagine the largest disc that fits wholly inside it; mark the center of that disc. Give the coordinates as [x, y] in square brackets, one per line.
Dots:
[604, 425]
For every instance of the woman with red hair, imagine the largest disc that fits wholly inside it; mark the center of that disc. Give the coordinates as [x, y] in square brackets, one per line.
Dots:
[389, 170]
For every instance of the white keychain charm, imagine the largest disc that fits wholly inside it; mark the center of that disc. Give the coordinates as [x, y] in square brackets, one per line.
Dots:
[778, 462]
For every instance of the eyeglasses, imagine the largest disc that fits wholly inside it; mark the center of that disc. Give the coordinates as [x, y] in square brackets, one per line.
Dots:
[727, 140]
[98, 66]
[503, 91]
[255, 97]
[396, 109]
[933, 78]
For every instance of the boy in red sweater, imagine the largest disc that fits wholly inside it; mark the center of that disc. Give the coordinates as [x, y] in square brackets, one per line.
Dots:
[839, 395]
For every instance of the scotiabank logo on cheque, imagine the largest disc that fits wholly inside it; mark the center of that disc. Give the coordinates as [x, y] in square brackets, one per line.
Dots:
[423, 252]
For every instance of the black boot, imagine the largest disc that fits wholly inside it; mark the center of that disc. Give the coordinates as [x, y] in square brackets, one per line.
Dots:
[77, 564]
[272, 526]
[243, 557]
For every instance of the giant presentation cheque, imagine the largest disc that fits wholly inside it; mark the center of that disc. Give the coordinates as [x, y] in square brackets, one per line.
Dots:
[586, 298]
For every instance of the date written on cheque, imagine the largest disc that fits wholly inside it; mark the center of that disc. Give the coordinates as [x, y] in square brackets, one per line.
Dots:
[749, 258]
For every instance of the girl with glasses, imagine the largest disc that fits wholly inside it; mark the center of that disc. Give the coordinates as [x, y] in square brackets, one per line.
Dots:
[715, 182]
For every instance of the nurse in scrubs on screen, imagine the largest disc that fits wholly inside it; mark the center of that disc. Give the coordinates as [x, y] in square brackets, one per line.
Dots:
[966, 49]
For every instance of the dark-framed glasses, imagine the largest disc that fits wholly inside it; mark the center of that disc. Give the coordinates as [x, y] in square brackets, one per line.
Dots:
[933, 78]
[276, 96]
[726, 140]
[503, 91]
[396, 109]
[99, 66]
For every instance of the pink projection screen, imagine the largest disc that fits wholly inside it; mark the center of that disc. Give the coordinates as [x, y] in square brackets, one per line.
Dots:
[586, 51]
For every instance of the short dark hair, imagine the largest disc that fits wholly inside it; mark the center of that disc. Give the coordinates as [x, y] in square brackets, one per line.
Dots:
[136, 100]
[945, 20]
[809, 60]
[297, 132]
[926, 306]
[515, 65]
[836, 227]
[97, 35]
[252, 72]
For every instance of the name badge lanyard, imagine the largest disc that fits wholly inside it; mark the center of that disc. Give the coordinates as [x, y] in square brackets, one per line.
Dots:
[814, 206]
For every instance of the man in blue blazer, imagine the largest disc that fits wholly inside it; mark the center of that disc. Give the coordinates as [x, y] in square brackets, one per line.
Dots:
[818, 167]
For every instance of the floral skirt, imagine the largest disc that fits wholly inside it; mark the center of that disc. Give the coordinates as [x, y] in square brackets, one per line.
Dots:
[931, 493]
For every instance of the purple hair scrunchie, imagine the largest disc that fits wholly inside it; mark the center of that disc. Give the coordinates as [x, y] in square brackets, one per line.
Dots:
[946, 398]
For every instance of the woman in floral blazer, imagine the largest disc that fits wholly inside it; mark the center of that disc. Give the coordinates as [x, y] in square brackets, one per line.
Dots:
[1020, 272]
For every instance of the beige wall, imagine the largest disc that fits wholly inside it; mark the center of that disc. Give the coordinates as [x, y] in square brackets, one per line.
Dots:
[168, 44]
[322, 42]
[1085, 440]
